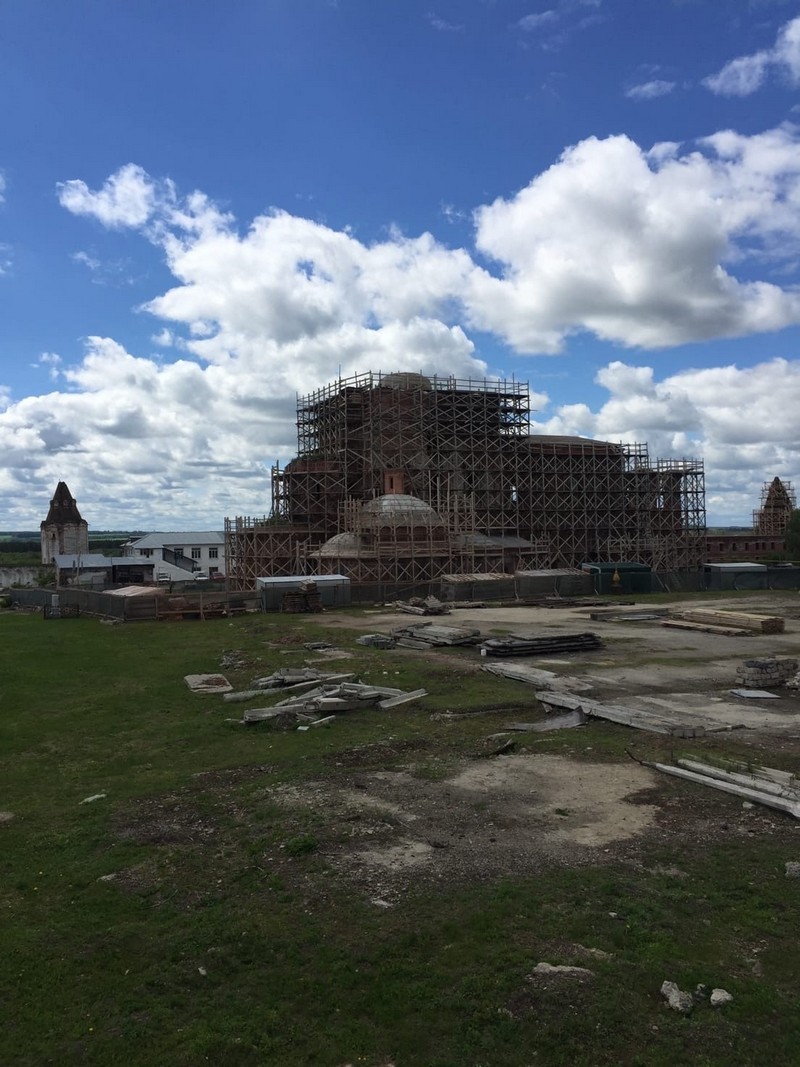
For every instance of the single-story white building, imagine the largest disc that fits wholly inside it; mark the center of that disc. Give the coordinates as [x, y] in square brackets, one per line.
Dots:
[94, 569]
[181, 555]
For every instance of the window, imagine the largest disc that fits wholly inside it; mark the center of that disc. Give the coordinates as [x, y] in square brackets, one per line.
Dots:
[146, 552]
[196, 553]
[178, 553]
[213, 553]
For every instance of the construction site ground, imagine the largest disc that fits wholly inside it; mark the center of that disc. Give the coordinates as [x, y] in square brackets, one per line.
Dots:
[180, 888]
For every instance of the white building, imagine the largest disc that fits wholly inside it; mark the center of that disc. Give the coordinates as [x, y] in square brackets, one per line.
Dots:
[181, 555]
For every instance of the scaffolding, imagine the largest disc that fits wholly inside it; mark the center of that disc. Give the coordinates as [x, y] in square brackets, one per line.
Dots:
[502, 497]
[778, 501]
[429, 437]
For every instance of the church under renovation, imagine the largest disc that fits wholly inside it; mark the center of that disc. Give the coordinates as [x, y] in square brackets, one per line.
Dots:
[401, 479]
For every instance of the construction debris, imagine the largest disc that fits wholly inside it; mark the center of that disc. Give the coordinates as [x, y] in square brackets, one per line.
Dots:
[786, 799]
[766, 672]
[376, 641]
[521, 672]
[725, 631]
[551, 970]
[530, 645]
[616, 614]
[296, 679]
[430, 605]
[672, 723]
[676, 998]
[208, 683]
[552, 722]
[719, 997]
[324, 700]
[737, 620]
[433, 635]
[754, 694]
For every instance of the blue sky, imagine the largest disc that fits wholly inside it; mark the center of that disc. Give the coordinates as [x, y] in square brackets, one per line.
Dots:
[206, 209]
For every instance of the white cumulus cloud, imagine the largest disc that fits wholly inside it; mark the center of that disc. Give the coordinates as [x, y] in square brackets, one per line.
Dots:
[746, 74]
[640, 248]
[650, 90]
[647, 248]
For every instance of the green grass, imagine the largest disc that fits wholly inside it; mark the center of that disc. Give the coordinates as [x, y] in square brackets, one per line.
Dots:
[226, 938]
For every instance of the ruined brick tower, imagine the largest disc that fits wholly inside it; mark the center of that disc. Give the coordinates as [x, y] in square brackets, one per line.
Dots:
[63, 531]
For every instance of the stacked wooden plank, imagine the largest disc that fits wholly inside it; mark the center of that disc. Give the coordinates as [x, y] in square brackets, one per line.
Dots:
[434, 635]
[530, 645]
[725, 621]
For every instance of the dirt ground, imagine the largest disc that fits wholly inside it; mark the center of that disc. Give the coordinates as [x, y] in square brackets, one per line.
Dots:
[518, 813]
[522, 811]
[385, 831]
[643, 663]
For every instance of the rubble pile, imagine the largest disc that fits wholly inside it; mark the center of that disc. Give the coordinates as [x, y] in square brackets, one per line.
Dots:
[319, 705]
[767, 672]
[430, 605]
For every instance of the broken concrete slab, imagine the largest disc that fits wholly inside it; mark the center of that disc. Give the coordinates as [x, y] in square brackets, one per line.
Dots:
[376, 640]
[749, 780]
[791, 807]
[653, 722]
[208, 683]
[403, 698]
[754, 694]
[534, 676]
[552, 722]
[551, 970]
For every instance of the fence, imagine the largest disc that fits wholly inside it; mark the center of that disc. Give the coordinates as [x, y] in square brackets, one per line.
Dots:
[142, 608]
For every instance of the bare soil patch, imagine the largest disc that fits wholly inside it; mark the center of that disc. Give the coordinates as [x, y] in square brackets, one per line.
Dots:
[388, 830]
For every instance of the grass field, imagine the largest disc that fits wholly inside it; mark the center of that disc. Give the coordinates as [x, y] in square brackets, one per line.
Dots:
[229, 935]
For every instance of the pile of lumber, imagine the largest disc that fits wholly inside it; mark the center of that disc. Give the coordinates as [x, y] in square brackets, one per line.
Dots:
[760, 785]
[323, 702]
[726, 622]
[434, 635]
[529, 645]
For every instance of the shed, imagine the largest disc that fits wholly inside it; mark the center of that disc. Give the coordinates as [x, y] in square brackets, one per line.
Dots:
[334, 589]
[736, 575]
[558, 581]
[633, 577]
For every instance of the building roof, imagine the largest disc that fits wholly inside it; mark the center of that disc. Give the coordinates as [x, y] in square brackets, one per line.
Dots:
[179, 538]
[341, 544]
[400, 509]
[87, 561]
[550, 440]
[739, 566]
[297, 579]
[63, 507]
[479, 540]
